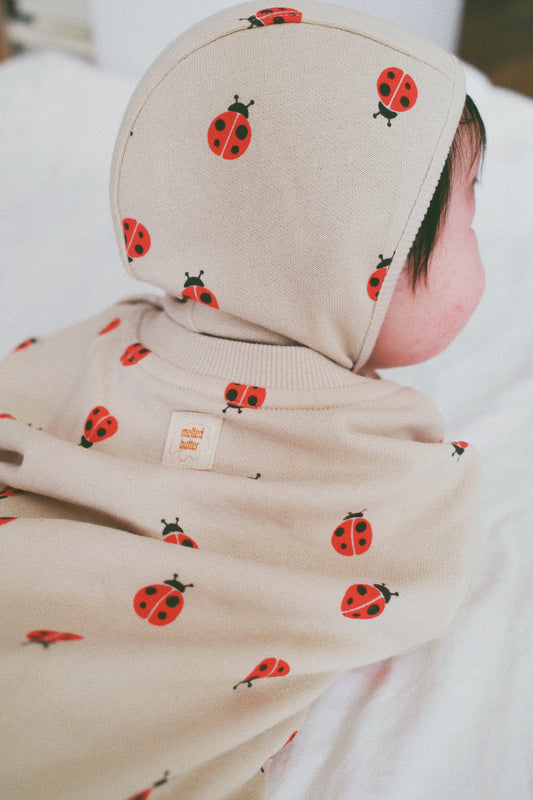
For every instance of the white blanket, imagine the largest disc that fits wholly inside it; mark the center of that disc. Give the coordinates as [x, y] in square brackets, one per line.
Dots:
[452, 719]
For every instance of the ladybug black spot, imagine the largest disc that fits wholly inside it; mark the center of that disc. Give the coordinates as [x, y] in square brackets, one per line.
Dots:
[405, 102]
[362, 542]
[187, 543]
[349, 601]
[361, 590]
[339, 532]
[231, 394]
[234, 149]
[100, 431]
[278, 20]
[172, 601]
[262, 668]
[373, 281]
[356, 614]
[384, 89]
[360, 527]
[143, 604]
[205, 298]
[217, 142]
[126, 226]
[88, 425]
[241, 132]
[162, 615]
[373, 610]
[407, 85]
[343, 546]
[150, 590]
[139, 249]
[220, 124]
[391, 75]
[252, 401]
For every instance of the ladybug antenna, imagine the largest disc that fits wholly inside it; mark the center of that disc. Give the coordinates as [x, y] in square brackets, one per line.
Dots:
[162, 780]
[387, 594]
[240, 108]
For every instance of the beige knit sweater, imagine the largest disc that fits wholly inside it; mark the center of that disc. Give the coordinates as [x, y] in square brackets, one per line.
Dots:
[212, 510]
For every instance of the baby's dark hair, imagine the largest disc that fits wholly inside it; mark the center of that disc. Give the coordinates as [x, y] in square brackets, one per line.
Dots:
[417, 260]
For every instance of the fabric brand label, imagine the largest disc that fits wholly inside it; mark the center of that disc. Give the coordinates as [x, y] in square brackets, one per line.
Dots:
[191, 440]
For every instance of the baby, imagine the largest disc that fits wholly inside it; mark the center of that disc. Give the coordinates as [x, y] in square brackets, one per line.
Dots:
[213, 505]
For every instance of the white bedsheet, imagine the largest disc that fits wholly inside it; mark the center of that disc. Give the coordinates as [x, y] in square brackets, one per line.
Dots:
[454, 718]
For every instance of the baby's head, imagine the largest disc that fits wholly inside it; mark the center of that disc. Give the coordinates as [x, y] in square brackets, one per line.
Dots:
[443, 279]
[283, 175]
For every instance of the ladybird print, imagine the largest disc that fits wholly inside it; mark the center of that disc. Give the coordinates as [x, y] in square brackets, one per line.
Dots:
[7, 416]
[459, 448]
[397, 92]
[5, 520]
[136, 237]
[26, 343]
[353, 536]
[268, 668]
[365, 602]
[145, 793]
[239, 396]
[9, 491]
[46, 638]
[375, 281]
[133, 354]
[194, 289]
[229, 134]
[99, 425]
[174, 534]
[111, 327]
[289, 740]
[273, 16]
[161, 603]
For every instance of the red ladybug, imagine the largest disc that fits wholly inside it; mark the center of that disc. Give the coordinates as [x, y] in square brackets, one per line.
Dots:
[169, 534]
[46, 638]
[147, 792]
[239, 396]
[365, 602]
[229, 134]
[111, 327]
[194, 289]
[269, 668]
[9, 491]
[5, 520]
[99, 425]
[273, 16]
[162, 603]
[133, 354]
[375, 281]
[136, 237]
[353, 536]
[23, 345]
[289, 740]
[397, 92]
[459, 448]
